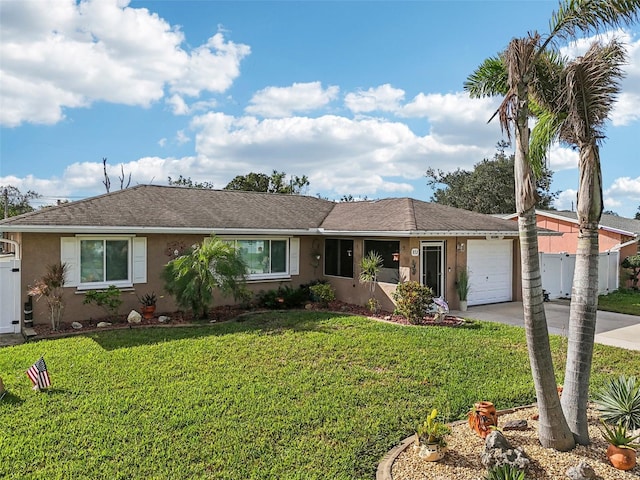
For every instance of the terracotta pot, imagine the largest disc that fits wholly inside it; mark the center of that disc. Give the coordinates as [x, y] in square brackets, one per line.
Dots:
[621, 458]
[148, 311]
[482, 417]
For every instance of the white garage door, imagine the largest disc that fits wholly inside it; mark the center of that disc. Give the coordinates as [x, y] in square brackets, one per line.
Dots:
[490, 264]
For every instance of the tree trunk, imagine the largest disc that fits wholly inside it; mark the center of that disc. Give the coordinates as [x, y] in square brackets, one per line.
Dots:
[584, 296]
[553, 430]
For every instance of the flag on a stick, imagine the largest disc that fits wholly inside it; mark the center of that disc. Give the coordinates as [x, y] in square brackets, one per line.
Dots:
[38, 375]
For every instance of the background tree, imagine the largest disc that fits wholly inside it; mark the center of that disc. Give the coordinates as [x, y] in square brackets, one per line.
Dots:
[193, 277]
[187, 182]
[13, 202]
[489, 187]
[637, 217]
[107, 181]
[275, 183]
[610, 212]
[576, 113]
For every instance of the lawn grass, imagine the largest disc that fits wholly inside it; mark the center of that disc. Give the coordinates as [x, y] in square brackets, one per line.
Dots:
[282, 395]
[621, 301]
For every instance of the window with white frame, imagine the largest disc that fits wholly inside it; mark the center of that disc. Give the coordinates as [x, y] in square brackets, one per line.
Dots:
[96, 262]
[265, 257]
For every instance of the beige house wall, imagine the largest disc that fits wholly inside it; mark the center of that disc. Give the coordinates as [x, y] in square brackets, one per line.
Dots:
[42, 249]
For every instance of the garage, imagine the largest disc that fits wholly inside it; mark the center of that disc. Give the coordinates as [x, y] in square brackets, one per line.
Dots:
[490, 265]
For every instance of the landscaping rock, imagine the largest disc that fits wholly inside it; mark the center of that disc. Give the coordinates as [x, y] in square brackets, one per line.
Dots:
[164, 319]
[76, 325]
[583, 471]
[498, 451]
[104, 324]
[520, 425]
[134, 317]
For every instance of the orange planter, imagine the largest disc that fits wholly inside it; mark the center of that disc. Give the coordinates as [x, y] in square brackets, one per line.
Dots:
[621, 458]
[482, 418]
[147, 312]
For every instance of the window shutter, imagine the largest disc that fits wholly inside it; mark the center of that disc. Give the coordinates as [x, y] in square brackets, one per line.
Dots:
[69, 255]
[139, 260]
[294, 256]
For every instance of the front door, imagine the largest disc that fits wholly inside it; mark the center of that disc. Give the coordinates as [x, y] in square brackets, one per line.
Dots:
[432, 274]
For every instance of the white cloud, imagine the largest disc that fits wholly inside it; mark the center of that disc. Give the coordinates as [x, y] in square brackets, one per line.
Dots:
[162, 142]
[284, 101]
[624, 189]
[340, 155]
[182, 137]
[70, 55]
[566, 200]
[178, 105]
[384, 98]
[562, 158]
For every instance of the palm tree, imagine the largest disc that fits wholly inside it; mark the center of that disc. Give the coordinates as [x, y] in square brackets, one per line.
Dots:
[576, 115]
[193, 277]
[517, 74]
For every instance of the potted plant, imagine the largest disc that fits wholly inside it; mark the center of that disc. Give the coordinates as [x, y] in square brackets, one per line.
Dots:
[430, 438]
[621, 452]
[462, 288]
[148, 302]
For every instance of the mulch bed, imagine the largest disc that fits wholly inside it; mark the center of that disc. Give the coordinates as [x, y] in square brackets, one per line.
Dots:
[231, 312]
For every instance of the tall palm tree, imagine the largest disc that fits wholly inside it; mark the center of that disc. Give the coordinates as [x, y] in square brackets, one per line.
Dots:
[576, 115]
[515, 74]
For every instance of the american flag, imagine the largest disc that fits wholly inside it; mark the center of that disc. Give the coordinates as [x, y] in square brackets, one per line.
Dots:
[38, 374]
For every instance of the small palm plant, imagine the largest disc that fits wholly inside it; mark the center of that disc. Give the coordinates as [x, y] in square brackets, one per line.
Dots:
[370, 266]
[619, 401]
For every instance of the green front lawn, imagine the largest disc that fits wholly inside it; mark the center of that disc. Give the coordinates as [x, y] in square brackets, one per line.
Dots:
[282, 395]
[621, 301]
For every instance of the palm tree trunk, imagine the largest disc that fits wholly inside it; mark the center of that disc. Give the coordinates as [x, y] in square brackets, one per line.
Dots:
[553, 430]
[584, 296]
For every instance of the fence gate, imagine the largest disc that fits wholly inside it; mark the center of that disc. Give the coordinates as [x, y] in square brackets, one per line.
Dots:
[10, 311]
[557, 273]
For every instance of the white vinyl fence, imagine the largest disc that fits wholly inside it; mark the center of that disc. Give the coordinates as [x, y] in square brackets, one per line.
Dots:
[557, 273]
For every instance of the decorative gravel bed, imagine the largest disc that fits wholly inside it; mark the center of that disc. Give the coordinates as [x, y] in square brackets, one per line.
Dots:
[462, 461]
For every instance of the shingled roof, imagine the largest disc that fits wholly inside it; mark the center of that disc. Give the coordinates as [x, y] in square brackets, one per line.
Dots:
[152, 208]
[612, 222]
[410, 215]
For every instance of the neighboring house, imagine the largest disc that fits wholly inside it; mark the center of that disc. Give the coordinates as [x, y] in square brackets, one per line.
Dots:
[615, 233]
[125, 238]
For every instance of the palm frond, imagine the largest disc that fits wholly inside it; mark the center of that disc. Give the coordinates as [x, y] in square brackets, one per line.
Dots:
[591, 86]
[488, 80]
[587, 16]
[544, 134]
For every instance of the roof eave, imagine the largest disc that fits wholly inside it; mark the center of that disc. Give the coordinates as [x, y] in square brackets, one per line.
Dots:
[101, 230]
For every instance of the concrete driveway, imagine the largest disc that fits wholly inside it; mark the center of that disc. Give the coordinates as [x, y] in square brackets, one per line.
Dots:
[615, 329]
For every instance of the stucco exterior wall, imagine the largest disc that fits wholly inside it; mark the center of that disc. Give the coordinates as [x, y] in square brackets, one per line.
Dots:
[40, 250]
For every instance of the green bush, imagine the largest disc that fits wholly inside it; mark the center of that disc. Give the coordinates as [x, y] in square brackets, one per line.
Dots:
[284, 296]
[108, 299]
[412, 300]
[323, 293]
[619, 402]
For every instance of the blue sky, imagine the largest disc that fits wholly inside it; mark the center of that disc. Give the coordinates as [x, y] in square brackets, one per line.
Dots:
[360, 96]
